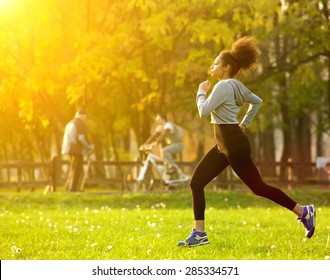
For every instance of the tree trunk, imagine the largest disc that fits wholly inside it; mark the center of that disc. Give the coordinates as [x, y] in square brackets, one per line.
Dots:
[267, 154]
[302, 146]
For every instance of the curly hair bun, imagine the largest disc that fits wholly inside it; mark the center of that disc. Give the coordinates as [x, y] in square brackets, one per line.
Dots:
[245, 51]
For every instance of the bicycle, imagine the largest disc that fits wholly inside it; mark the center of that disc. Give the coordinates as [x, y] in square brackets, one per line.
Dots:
[150, 170]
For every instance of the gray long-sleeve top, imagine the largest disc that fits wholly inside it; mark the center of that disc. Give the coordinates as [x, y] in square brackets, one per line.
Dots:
[225, 100]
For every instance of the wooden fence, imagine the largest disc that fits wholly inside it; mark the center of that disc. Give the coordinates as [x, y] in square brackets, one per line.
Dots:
[109, 174]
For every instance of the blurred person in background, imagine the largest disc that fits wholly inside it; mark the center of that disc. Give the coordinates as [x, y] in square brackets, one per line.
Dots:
[76, 146]
[170, 136]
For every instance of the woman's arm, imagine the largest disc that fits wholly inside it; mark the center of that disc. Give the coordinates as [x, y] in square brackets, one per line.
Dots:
[255, 103]
[217, 97]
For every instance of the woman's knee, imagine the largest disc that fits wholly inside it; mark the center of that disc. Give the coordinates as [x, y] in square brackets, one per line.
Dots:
[263, 190]
[258, 192]
[196, 184]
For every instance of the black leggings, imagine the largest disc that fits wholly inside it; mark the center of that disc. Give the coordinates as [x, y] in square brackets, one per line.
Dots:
[214, 162]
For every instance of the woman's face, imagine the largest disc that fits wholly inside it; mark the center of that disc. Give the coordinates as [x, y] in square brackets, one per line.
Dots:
[217, 70]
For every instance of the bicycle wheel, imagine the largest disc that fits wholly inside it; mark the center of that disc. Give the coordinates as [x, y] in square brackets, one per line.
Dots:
[132, 184]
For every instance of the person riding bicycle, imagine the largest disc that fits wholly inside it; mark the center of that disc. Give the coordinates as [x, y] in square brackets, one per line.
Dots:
[170, 136]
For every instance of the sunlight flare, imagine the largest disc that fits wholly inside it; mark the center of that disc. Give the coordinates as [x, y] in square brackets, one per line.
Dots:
[7, 6]
[4, 3]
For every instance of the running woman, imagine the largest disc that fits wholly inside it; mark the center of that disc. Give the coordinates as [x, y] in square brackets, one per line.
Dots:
[232, 145]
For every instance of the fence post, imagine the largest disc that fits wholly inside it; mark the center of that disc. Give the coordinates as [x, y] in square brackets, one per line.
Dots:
[229, 177]
[54, 172]
[19, 177]
[289, 174]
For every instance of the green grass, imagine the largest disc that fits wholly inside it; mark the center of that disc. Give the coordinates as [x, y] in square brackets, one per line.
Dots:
[240, 226]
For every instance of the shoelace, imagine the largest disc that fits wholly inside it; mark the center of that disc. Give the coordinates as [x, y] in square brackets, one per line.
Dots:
[192, 235]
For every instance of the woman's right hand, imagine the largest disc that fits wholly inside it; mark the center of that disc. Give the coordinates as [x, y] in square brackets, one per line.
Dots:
[204, 86]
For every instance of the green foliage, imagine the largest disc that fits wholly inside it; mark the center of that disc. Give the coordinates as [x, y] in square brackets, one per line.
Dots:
[125, 60]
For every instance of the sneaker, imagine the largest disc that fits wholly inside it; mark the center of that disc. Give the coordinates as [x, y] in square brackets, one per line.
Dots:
[308, 219]
[196, 238]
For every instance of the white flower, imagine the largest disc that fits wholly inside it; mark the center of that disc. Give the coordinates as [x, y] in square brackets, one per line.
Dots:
[179, 226]
[13, 248]
[158, 235]
[94, 244]
[109, 247]
[273, 247]
[244, 223]
[148, 252]
[18, 250]
[258, 225]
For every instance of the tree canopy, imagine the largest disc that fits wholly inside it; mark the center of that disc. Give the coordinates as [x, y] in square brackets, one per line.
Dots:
[125, 60]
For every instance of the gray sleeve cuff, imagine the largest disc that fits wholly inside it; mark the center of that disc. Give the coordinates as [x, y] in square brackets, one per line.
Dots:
[201, 92]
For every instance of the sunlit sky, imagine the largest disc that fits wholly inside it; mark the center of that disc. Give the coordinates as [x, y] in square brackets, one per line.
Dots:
[7, 5]
[4, 3]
